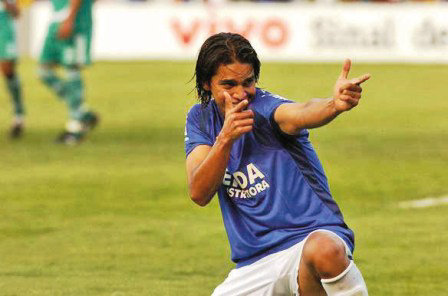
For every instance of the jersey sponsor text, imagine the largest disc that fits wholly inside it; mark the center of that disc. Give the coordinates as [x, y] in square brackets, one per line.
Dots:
[245, 185]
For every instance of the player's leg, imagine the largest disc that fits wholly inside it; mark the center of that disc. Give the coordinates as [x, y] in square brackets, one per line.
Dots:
[69, 54]
[75, 55]
[274, 274]
[8, 56]
[349, 282]
[69, 88]
[74, 92]
[81, 119]
[58, 52]
[15, 91]
[54, 82]
[326, 269]
[50, 57]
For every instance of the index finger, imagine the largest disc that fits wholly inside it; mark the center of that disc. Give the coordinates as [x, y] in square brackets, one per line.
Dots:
[227, 101]
[241, 106]
[361, 79]
[229, 106]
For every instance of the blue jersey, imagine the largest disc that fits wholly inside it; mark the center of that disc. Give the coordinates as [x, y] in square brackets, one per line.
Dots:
[274, 192]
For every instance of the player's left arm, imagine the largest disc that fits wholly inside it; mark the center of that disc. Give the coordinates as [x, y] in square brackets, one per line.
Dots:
[11, 8]
[294, 117]
[67, 26]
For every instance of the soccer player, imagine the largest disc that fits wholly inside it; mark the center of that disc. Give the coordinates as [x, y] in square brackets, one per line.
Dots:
[67, 44]
[8, 56]
[287, 234]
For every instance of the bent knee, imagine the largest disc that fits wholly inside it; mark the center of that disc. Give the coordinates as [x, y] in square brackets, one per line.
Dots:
[326, 253]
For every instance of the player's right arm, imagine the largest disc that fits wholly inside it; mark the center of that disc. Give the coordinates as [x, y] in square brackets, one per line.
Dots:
[291, 118]
[206, 165]
[67, 26]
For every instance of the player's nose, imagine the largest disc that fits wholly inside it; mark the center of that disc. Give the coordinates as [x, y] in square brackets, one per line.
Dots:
[240, 94]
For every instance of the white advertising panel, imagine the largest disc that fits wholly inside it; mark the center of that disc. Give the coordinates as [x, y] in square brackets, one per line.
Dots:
[288, 32]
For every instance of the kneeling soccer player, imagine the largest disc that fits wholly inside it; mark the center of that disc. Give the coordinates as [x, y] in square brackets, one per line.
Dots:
[287, 234]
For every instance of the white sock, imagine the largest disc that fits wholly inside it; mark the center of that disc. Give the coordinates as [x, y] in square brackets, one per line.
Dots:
[18, 120]
[74, 126]
[349, 283]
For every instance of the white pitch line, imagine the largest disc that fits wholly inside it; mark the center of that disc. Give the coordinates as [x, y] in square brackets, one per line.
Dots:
[424, 203]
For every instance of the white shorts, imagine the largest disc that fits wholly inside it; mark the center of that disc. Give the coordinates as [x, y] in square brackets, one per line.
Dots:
[273, 275]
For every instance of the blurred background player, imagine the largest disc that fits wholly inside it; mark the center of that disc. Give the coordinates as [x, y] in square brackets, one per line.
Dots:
[8, 56]
[67, 44]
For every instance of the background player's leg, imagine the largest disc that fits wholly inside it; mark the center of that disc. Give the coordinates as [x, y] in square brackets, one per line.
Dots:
[15, 91]
[49, 77]
[74, 93]
[71, 90]
[323, 258]
[81, 120]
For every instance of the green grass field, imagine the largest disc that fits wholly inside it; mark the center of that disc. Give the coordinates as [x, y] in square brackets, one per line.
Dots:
[112, 216]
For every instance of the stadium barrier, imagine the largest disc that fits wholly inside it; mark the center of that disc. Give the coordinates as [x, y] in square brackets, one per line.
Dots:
[279, 32]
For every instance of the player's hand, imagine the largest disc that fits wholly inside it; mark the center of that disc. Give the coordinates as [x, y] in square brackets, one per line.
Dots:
[12, 8]
[66, 29]
[347, 92]
[238, 120]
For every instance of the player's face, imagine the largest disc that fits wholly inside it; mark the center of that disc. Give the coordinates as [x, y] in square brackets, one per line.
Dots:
[237, 79]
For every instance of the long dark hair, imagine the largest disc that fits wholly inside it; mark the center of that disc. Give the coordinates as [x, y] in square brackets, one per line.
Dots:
[222, 49]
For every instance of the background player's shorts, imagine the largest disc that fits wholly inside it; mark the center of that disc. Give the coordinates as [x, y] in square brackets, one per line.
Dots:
[275, 275]
[74, 51]
[8, 45]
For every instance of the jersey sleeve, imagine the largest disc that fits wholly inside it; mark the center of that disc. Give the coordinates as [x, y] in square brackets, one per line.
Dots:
[270, 103]
[195, 130]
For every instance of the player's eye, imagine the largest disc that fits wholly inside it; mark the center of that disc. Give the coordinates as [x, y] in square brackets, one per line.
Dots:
[248, 82]
[228, 84]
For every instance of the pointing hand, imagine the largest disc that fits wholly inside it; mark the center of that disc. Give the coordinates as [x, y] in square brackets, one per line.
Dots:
[347, 92]
[238, 120]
